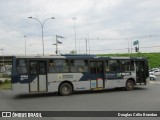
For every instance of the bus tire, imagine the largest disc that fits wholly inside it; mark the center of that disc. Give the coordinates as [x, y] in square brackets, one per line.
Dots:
[65, 89]
[129, 85]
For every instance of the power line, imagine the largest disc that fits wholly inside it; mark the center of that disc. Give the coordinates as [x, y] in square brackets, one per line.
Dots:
[117, 38]
[121, 48]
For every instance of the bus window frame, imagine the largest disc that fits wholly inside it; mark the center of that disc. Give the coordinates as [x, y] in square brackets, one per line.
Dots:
[78, 71]
[37, 68]
[119, 63]
[49, 71]
[131, 65]
[17, 66]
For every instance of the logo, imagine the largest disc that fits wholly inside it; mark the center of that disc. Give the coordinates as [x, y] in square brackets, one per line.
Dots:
[6, 114]
[21, 114]
[59, 76]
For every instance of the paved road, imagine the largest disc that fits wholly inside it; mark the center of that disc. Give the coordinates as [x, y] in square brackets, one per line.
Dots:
[145, 98]
[157, 81]
[142, 98]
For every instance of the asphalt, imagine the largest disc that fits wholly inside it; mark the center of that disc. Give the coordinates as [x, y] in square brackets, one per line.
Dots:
[143, 98]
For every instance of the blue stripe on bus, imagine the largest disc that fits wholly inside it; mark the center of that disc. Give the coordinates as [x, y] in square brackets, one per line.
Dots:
[18, 79]
[85, 77]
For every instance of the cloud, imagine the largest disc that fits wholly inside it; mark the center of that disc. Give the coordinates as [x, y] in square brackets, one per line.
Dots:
[116, 24]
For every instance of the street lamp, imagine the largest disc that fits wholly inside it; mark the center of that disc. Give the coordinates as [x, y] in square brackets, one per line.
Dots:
[42, 25]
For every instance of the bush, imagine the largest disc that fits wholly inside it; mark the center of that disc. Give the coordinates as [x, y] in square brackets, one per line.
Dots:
[6, 81]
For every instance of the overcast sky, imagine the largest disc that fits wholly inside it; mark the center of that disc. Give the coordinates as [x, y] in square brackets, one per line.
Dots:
[110, 25]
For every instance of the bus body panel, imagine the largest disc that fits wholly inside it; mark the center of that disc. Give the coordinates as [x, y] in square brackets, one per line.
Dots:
[59, 77]
[95, 77]
[33, 85]
[20, 88]
[53, 86]
[113, 83]
[81, 85]
[43, 83]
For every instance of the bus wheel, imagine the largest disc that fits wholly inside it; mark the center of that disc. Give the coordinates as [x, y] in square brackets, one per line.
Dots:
[129, 85]
[65, 89]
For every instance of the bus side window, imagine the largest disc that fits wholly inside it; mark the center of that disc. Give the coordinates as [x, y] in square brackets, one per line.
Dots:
[132, 65]
[79, 66]
[127, 65]
[52, 68]
[73, 66]
[22, 66]
[106, 66]
[42, 68]
[33, 68]
[85, 66]
[58, 66]
[114, 65]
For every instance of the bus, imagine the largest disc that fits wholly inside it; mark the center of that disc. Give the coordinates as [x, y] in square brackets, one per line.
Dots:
[67, 73]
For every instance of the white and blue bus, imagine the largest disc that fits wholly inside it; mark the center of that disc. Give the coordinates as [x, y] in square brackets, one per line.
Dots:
[67, 73]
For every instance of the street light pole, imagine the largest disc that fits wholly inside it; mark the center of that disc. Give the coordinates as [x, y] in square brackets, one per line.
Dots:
[42, 26]
[56, 44]
[86, 45]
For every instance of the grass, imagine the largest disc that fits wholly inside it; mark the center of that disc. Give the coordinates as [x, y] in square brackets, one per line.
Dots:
[5, 86]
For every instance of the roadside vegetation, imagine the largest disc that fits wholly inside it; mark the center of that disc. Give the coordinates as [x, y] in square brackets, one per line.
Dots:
[153, 58]
[5, 85]
[5, 81]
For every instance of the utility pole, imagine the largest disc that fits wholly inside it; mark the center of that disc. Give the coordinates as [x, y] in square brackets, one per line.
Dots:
[56, 45]
[74, 18]
[128, 46]
[57, 42]
[25, 44]
[3, 60]
[131, 45]
[86, 45]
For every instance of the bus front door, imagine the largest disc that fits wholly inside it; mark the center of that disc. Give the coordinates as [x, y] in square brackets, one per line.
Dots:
[37, 76]
[140, 72]
[97, 74]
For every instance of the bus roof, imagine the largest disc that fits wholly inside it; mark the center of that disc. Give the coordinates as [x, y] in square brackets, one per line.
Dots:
[80, 56]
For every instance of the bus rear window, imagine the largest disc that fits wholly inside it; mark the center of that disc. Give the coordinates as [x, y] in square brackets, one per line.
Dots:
[22, 66]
